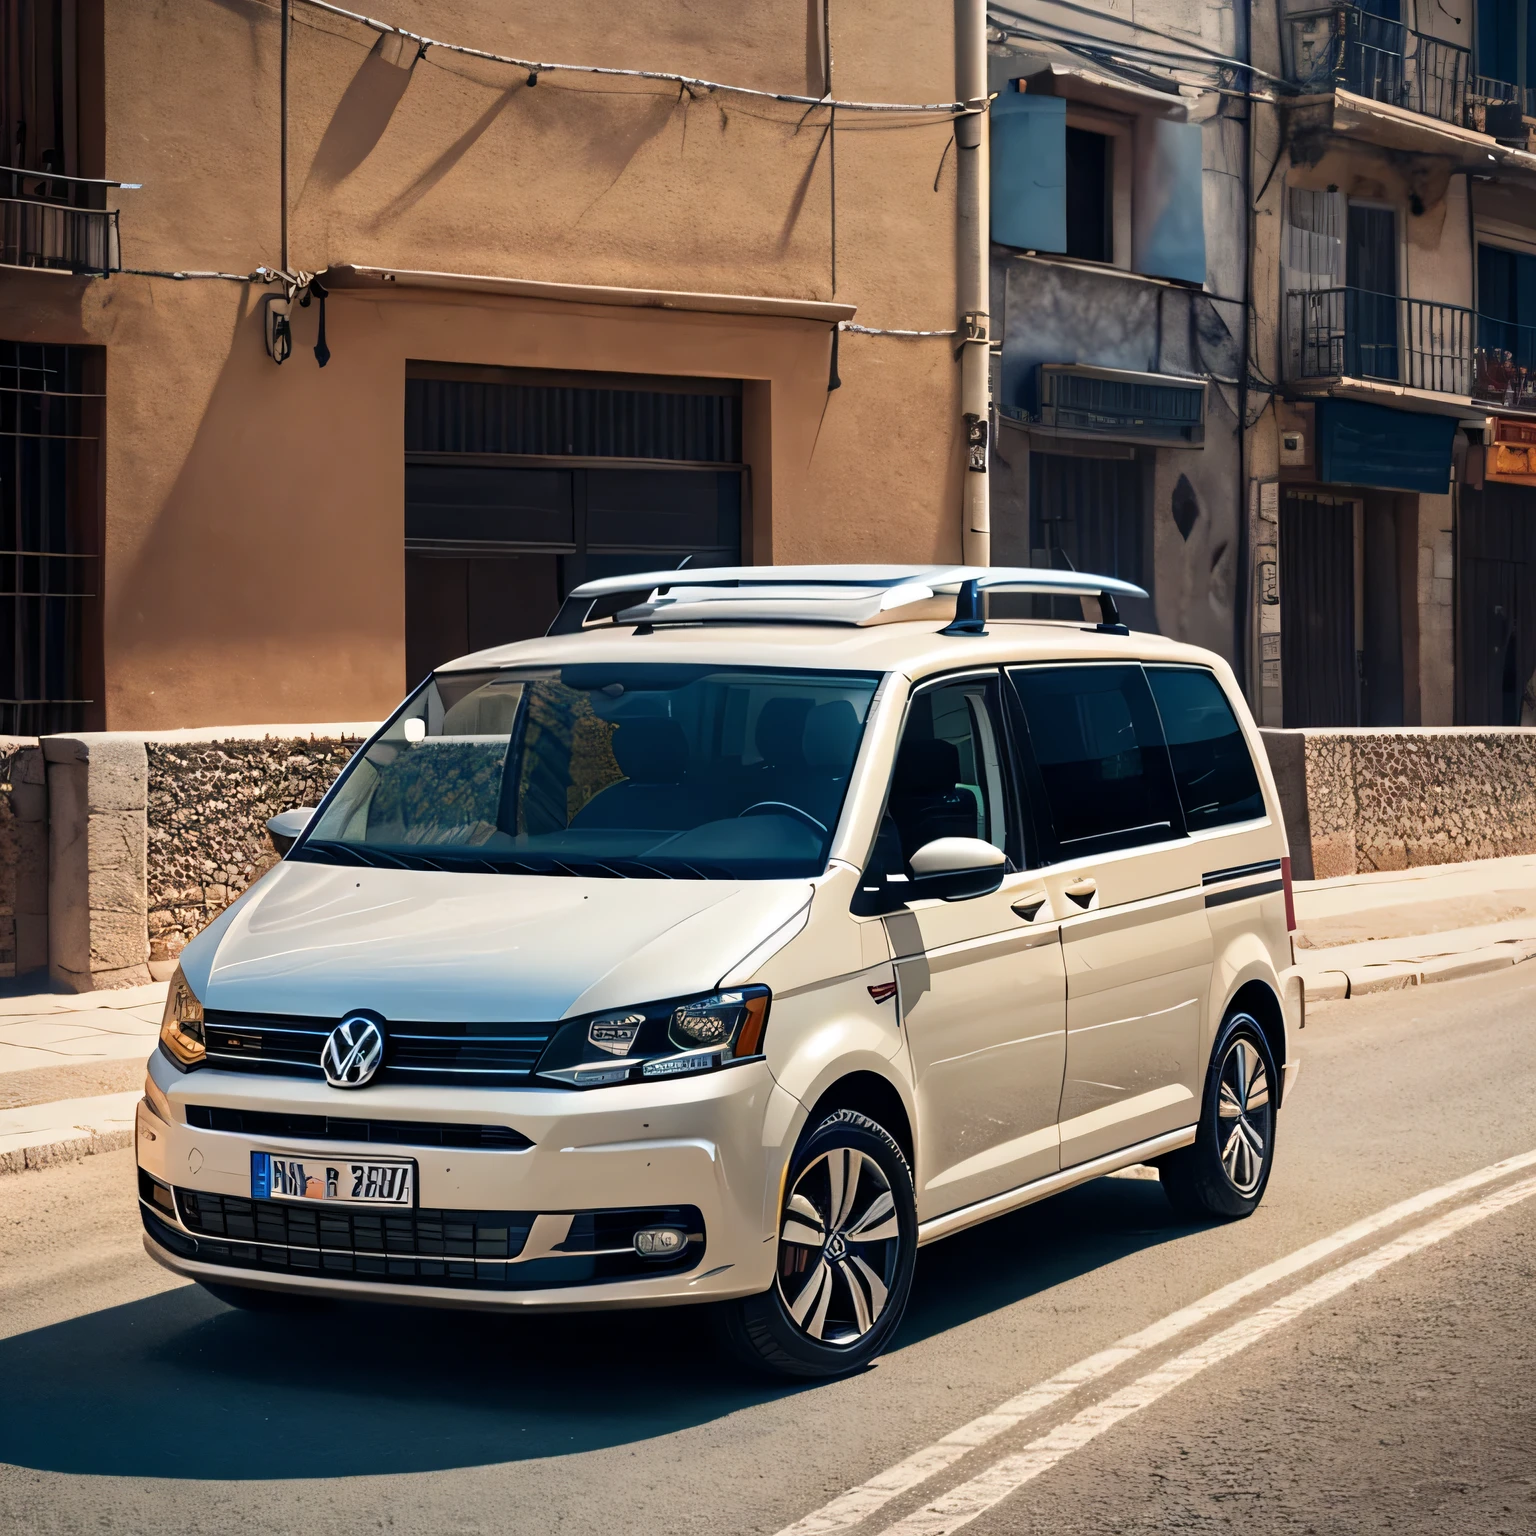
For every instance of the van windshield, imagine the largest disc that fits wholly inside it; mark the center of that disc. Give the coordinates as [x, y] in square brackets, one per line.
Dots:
[628, 771]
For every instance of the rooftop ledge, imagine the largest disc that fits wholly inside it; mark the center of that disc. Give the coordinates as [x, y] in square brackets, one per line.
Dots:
[343, 279]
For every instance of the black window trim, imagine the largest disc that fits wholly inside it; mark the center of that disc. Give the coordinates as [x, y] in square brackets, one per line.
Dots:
[1051, 849]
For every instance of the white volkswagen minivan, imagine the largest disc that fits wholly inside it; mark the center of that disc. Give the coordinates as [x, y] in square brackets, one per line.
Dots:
[749, 931]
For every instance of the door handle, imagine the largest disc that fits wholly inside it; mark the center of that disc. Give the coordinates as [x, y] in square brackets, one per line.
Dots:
[1028, 905]
[1082, 891]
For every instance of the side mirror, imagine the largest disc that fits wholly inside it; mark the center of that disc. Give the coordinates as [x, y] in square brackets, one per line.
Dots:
[954, 868]
[285, 827]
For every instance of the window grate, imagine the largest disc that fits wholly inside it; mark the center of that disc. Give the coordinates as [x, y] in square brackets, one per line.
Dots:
[49, 512]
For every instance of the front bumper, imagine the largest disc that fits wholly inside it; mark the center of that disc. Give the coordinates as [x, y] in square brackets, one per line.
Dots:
[716, 1143]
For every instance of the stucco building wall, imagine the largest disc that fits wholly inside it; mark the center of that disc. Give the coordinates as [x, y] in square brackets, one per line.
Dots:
[253, 526]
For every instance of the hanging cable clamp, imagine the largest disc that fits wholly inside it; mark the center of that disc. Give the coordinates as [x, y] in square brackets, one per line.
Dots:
[973, 331]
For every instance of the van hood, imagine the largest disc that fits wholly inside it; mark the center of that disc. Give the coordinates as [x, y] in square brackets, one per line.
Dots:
[319, 940]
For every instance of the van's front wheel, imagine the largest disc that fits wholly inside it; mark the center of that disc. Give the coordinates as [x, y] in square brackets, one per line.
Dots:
[847, 1246]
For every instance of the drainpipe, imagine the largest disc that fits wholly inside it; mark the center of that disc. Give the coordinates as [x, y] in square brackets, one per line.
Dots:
[973, 221]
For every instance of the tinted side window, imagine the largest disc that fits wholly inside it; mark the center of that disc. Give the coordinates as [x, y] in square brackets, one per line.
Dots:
[1211, 764]
[951, 769]
[1098, 747]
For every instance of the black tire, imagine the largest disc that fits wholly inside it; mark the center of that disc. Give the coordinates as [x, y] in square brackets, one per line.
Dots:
[838, 1295]
[250, 1298]
[1225, 1172]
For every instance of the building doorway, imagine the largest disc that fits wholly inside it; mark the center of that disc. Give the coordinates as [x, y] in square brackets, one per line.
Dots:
[521, 484]
[1341, 646]
[1496, 603]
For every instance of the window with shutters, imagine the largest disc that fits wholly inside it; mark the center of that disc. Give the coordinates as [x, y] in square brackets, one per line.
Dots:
[1125, 189]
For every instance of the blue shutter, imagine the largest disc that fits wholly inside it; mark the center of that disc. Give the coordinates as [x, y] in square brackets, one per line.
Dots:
[1029, 171]
[1167, 209]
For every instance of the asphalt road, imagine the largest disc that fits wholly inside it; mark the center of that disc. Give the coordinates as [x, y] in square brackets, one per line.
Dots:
[1404, 1401]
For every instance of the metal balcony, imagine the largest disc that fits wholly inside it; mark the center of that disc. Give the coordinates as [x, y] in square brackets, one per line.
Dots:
[1504, 364]
[58, 223]
[1337, 333]
[1344, 48]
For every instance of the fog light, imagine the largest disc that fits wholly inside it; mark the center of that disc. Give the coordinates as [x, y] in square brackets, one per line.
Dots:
[660, 1242]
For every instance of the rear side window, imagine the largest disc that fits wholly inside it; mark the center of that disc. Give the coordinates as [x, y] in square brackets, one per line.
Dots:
[1097, 744]
[1211, 763]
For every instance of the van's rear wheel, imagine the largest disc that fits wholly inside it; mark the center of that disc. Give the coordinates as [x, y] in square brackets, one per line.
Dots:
[847, 1246]
[1225, 1172]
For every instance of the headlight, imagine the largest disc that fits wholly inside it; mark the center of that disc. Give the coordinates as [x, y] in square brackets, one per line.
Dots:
[673, 1039]
[181, 1030]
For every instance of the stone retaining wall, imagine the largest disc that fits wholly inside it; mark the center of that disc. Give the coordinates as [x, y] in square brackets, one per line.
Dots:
[1363, 800]
[116, 848]
[208, 804]
[148, 837]
[23, 856]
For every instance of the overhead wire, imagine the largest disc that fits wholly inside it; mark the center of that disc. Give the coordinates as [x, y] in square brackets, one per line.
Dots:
[536, 67]
[1189, 50]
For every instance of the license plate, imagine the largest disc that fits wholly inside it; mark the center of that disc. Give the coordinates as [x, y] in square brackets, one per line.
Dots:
[344, 1180]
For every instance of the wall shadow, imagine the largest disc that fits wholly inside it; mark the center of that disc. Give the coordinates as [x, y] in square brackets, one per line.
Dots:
[360, 118]
[180, 1386]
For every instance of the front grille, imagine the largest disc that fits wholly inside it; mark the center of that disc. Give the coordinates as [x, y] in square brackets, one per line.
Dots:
[400, 1133]
[469, 1249]
[470, 1055]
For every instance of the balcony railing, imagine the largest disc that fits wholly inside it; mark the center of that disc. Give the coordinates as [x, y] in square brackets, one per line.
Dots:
[1499, 108]
[1344, 48]
[1504, 365]
[1353, 333]
[57, 222]
[1438, 73]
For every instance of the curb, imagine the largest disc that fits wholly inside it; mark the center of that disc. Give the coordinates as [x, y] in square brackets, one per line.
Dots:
[70, 1150]
[1398, 975]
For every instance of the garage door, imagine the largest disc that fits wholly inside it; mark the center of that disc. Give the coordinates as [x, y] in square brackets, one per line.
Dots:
[520, 485]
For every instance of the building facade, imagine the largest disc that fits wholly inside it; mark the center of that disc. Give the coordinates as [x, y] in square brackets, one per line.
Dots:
[1394, 515]
[1266, 280]
[564, 324]
[1118, 281]
[328, 350]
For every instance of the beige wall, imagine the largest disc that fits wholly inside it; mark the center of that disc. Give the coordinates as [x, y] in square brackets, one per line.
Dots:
[254, 515]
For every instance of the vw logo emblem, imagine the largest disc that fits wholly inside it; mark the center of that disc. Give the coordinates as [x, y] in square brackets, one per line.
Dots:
[353, 1052]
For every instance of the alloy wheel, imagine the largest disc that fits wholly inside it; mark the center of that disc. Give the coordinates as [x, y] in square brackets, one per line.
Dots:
[1244, 1113]
[839, 1247]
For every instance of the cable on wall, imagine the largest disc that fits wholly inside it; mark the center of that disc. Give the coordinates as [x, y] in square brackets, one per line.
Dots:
[692, 82]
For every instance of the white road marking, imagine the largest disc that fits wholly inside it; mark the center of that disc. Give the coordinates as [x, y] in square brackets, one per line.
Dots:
[858, 1504]
[952, 1510]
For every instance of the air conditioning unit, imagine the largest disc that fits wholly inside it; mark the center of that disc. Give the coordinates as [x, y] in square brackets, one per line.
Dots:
[1077, 400]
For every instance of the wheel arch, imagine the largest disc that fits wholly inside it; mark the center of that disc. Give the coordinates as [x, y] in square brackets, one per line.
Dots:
[870, 1094]
[1259, 1000]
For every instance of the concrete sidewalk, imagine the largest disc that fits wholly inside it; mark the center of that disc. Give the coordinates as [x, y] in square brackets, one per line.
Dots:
[72, 1065]
[1360, 934]
[71, 1071]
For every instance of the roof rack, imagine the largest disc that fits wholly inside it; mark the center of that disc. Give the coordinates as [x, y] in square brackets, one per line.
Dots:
[858, 595]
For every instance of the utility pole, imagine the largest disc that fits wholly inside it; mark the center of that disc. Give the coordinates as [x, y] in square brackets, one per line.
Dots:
[973, 219]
